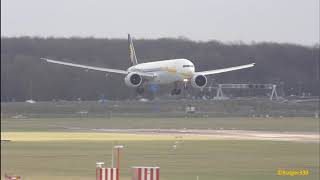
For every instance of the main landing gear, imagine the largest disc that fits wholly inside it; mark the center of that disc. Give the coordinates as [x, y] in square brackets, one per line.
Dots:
[176, 90]
[140, 90]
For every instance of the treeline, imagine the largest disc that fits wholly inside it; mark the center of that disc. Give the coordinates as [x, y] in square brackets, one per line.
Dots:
[25, 76]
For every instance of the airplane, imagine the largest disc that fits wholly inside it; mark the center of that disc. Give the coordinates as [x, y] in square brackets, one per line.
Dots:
[176, 71]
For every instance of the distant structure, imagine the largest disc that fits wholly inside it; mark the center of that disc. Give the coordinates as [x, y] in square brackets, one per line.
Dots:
[190, 109]
[272, 87]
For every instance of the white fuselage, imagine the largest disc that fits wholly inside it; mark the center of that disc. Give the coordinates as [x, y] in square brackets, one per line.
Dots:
[166, 71]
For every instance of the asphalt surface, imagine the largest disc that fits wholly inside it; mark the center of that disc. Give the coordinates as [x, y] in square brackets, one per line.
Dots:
[313, 137]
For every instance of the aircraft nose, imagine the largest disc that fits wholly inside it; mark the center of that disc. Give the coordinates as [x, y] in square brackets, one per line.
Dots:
[191, 69]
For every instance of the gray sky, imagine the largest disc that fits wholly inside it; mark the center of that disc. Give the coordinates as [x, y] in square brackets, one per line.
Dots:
[293, 21]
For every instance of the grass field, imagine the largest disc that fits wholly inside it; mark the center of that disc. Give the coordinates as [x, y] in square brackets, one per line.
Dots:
[243, 107]
[42, 148]
[261, 124]
[59, 156]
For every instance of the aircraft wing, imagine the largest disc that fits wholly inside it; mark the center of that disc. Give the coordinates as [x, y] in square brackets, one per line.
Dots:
[150, 75]
[216, 71]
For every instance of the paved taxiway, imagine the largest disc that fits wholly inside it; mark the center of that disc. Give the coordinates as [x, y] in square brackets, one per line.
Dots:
[312, 137]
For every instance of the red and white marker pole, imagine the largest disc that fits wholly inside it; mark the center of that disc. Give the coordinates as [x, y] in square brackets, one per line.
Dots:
[98, 167]
[118, 147]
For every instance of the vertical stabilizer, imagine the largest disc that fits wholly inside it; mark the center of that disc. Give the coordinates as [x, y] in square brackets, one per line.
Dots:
[132, 53]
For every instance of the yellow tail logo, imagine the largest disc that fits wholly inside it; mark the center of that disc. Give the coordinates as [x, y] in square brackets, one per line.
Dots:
[132, 53]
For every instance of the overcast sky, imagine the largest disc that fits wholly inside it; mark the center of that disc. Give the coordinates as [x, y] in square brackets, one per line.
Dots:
[293, 21]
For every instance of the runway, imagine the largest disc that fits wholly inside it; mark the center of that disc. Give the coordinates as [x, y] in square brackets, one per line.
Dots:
[312, 137]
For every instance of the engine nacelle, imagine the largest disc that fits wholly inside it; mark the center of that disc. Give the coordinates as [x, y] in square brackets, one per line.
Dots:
[199, 81]
[133, 80]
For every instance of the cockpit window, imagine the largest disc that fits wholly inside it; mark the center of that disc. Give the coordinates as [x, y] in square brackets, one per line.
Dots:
[187, 66]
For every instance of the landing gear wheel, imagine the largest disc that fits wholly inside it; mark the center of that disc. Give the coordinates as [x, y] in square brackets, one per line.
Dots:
[140, 90]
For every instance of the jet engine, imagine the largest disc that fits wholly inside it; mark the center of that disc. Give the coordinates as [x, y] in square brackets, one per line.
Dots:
[199, 81]
[133, 80]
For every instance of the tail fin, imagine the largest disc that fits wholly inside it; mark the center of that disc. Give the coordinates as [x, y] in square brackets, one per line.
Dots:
[132, 53]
